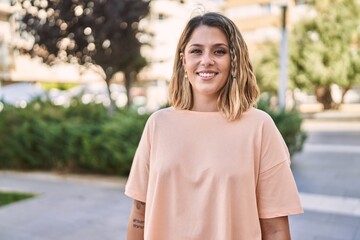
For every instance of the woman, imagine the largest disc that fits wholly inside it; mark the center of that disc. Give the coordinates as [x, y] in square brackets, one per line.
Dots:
[211, 166]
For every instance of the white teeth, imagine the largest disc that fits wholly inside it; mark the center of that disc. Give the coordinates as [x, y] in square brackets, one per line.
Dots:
[206, 74]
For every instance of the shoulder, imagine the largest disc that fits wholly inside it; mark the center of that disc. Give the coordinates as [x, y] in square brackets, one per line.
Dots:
[262, 120]
[257, 116]
[161, 115]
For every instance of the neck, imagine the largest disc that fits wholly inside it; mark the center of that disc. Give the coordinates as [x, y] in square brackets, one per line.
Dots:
[203, 104]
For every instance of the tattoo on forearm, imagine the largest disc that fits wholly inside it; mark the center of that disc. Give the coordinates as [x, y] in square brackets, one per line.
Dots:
[137, 223]
[139, 204]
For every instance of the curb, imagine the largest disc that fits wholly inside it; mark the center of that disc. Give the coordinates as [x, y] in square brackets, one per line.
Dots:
[106, 181]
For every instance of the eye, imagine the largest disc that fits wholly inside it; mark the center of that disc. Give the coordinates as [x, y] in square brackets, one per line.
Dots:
[195, 51]
[220, 52]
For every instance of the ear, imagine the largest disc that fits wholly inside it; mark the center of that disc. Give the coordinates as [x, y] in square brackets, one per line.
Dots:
[182, 58]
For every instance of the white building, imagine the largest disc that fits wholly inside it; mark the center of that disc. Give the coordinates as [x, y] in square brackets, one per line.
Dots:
[6, 30]
[261, 20]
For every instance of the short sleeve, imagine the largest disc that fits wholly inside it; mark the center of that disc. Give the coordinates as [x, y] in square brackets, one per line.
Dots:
[273, 147]
[137, 183]
[277, 194]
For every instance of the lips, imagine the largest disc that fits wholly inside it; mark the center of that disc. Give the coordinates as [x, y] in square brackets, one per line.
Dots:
[207, 74]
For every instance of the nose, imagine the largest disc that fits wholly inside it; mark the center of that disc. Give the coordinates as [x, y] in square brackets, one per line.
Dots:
[207, 59]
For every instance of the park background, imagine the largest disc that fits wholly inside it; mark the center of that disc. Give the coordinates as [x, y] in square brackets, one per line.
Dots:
[79, 79]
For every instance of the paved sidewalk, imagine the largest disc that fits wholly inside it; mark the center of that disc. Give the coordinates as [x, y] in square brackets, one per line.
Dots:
[66, 208]
[92, 208]
[327, 172]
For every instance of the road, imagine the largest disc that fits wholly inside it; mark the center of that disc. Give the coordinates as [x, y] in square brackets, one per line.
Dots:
[327, 173]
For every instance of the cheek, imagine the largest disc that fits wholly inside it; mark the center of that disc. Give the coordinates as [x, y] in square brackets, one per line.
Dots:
[228, 66]
[189, 66]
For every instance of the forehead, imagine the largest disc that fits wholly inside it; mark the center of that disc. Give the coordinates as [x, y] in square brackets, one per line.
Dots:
[205, 35]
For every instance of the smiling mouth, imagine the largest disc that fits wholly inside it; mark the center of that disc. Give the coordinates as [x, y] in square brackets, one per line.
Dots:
[207, 74]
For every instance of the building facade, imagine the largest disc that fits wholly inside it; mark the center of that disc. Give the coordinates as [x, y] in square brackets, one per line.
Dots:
[6, 32]
[261, 20]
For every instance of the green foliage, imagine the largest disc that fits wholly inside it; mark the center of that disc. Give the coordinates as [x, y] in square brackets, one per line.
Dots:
[60, 86]
[325, 48]
[84, 138]
[80, 138]
[86, 32]
[289, 124]
[10, 197]
[266, 66]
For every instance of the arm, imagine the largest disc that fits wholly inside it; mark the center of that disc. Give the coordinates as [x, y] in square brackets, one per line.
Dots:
[275, 228]
[136, 221]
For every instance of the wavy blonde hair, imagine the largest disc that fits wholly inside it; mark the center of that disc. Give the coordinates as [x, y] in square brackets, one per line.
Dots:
[240, 91]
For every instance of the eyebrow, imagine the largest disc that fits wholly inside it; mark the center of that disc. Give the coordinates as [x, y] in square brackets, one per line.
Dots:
[216, 45]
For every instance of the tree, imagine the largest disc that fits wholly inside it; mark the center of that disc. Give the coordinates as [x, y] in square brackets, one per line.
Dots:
[325, 49]
[87, 32]
[266, 65]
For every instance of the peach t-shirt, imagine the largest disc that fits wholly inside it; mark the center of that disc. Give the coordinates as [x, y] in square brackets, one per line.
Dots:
[203, 177]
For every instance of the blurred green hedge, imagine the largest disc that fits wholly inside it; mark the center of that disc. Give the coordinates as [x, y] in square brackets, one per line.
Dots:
[289, 124]
[83, 138]
[80, 138]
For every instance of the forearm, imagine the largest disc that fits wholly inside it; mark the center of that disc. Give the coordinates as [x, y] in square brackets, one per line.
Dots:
[275, 229]
[136, 222]
[276, 236]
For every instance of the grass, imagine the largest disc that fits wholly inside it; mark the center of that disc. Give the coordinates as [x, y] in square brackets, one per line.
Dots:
[10, 197]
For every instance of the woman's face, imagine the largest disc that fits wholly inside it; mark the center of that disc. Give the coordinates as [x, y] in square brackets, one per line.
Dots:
[206, 61]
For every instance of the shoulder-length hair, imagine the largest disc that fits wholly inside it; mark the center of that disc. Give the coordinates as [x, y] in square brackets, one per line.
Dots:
[240, 91]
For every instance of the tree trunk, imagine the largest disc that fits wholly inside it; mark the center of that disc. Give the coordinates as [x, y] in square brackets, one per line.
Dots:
[127, 80]
[111, 107]
[323, 96]
[344, 91]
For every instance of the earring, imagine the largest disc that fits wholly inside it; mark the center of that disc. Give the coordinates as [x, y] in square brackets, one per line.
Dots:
[186, 76]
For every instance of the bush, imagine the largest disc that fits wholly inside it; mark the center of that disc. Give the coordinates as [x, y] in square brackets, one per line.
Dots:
[80, 138]
[84, 138]
[27, 135]
[289, 124]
